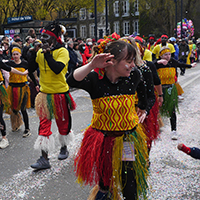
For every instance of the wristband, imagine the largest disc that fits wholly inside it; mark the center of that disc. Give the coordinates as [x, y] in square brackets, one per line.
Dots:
[160, 95]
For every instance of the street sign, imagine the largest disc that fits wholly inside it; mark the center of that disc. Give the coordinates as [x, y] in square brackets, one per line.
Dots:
[19, 19]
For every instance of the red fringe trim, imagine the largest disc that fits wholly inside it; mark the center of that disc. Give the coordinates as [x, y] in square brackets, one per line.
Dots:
[15, 95]
[94, 159]
[72, 104]
[105, 167]
[151, 124]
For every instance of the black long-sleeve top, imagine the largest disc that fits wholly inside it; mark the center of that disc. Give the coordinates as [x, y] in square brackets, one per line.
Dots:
[156, 79]
[98, 88]
[148, 80]
[54, 65]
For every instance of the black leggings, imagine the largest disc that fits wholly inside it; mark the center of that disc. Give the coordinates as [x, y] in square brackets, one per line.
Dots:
[173, 120]
[24, 112]
[25, 118]
[3, 131]
[128, 182]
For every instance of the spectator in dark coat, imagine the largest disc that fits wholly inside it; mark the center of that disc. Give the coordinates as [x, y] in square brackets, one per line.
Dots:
[73, 62]
[27, 46]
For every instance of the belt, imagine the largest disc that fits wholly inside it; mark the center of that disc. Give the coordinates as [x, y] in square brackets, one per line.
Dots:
[117, 133]
[167, 86]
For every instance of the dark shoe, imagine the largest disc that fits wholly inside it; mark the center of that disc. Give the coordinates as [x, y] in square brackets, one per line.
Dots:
[41, 163]
[26, 133]
[182, 73]
[64, 153]
[103, 196]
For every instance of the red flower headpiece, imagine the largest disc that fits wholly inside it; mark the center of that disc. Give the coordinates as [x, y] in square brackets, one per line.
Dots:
[101, 47]
[107, 40]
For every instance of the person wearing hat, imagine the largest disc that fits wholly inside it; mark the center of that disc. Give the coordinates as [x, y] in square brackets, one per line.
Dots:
[19, 41]
[54, 99]
[146, 55]
[151, 43]
[183, 54]
[166, 68]
[157, 48]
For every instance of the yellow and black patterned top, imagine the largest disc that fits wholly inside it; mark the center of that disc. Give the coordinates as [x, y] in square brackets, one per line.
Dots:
[113, 103]
[167, 73]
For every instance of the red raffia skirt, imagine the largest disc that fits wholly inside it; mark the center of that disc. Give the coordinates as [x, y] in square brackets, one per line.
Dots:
[100, 159]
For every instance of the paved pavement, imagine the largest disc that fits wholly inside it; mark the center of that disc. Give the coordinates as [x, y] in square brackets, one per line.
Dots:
[173, 175]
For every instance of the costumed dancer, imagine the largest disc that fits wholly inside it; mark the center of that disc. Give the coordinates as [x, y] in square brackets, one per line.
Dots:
[157, 48]
[19, 93]
[115, 130]
[4, 101]
[152, 80]
[147, 54]
[54, 99]
[180, 91]
[151, 43]
[166, 68]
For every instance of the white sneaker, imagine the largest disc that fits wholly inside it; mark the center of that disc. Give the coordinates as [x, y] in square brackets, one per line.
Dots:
[180, 98]
[174, 135]
[4, 143]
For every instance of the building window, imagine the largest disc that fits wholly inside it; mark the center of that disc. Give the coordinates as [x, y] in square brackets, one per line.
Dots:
[91, 15]
[126, 27]
[136, 27]
[125, 8]
[92, 30]
[116, 27]
[136, 6]
[116, 8]
[83, 31]
[82, 14]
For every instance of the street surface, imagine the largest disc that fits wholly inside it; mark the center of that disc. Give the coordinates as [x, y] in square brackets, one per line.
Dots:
[173, 174]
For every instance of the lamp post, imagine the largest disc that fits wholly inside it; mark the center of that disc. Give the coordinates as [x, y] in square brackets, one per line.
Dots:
[181, 18]
[175, 1]
[95, 19]
[106, 5]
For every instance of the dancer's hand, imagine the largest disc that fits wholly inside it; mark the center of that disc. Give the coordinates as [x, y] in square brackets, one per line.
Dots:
[141, 115]
[162, 61]
[194, 64]
[160, 101]
[25, 72]
[102, 60]
[37, 88]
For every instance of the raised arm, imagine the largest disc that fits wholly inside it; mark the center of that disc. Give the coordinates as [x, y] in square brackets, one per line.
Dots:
[99, 61]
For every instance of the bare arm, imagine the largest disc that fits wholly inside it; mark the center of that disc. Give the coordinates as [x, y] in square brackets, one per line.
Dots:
[99, 61]
[160, 94]
[15, 71]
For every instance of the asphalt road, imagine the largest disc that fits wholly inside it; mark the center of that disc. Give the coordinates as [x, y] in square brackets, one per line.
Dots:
[173, 175]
